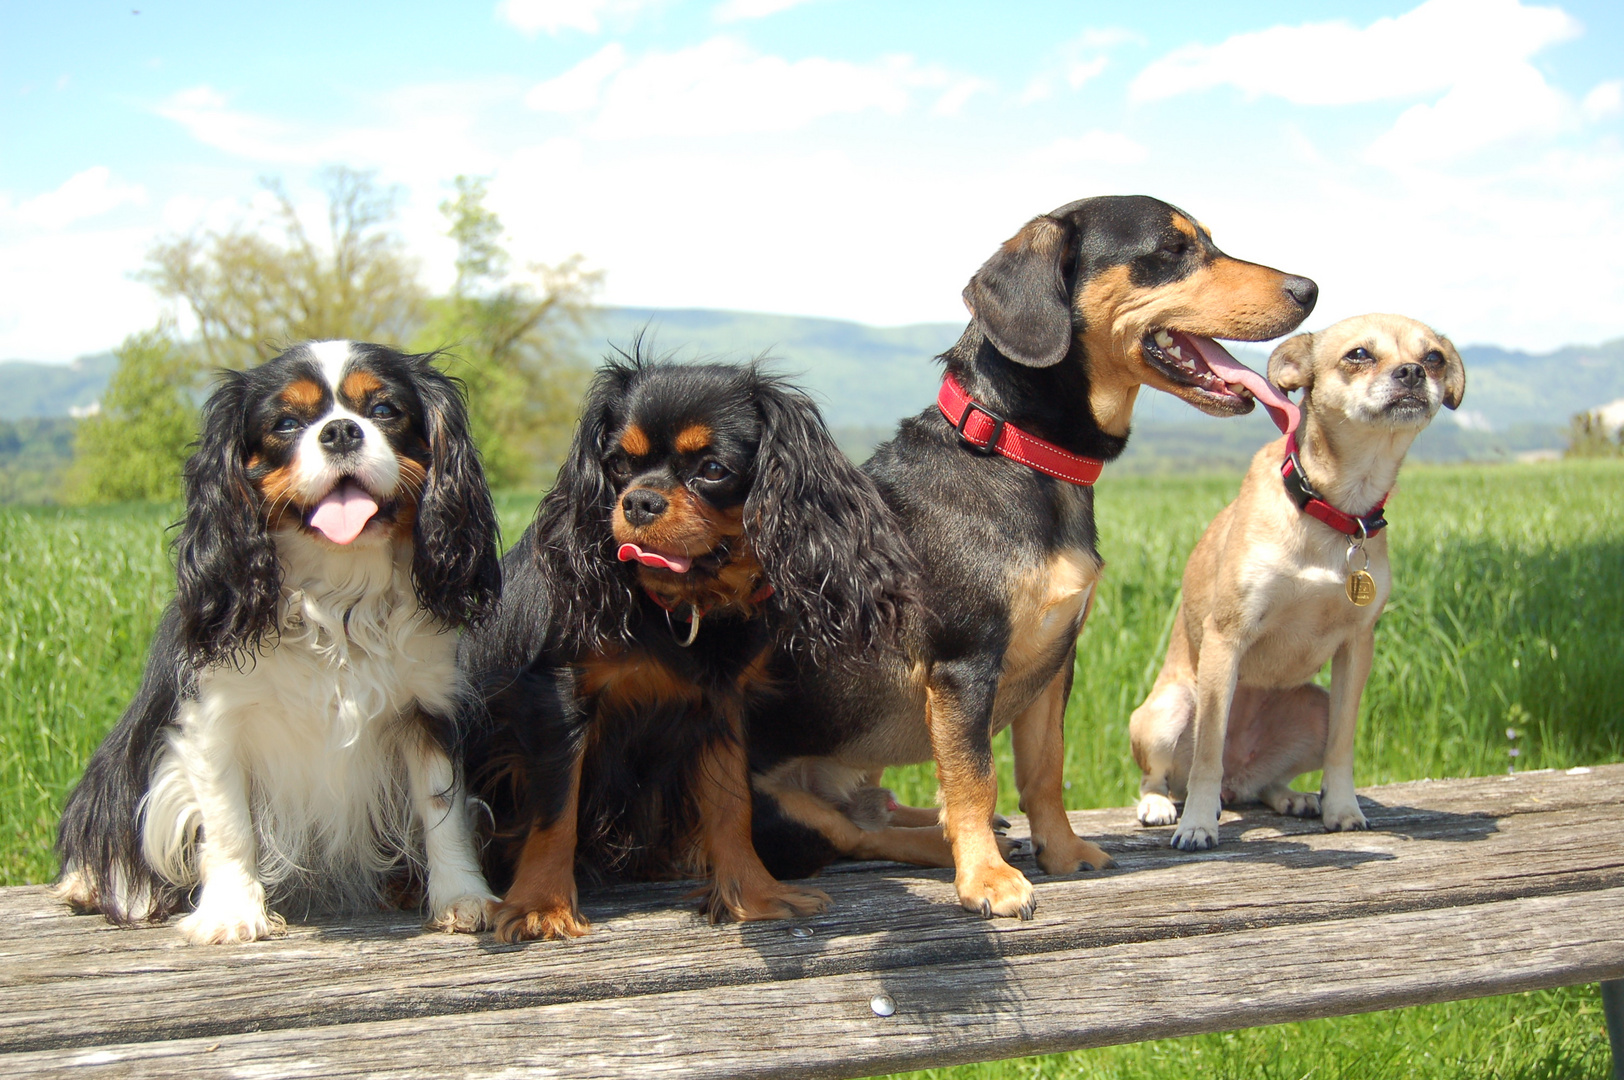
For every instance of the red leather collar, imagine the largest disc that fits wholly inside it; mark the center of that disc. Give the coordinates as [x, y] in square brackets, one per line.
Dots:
[1312, 503]
[983, 430]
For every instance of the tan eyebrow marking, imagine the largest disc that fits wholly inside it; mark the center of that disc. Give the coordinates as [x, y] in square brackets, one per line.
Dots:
[693, 437]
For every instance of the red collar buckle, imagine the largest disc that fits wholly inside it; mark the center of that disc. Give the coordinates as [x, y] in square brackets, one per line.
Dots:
[985, 432]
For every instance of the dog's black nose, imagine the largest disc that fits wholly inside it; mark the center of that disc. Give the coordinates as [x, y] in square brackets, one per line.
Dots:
[341, 436]
[1409, 376]
[643, 506]
[1304, 291]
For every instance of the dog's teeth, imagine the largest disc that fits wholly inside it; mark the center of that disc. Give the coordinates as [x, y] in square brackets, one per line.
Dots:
[1164, 339]
[1173, 351]
[1235, 388]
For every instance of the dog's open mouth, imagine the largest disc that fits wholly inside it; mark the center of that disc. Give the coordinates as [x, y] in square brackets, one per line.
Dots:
[345, 511]
[1223, 383]
[660, 560]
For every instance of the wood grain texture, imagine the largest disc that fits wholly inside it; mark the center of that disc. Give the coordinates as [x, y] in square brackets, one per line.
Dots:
[1463, 887]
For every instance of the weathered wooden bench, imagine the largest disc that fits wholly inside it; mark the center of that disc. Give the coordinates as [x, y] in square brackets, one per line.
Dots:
[1462, 888]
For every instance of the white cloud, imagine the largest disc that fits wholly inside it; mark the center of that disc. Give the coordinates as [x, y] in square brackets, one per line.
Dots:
[1606, 99]
[1517, 103]
[534, 16]
[736, 10]
[87, 194]
[723, 87]
[1081, 60]
[1099, 147]
[1438, 45]
[578, 89]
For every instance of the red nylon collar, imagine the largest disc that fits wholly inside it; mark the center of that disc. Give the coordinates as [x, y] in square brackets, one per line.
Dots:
[1312, 503]
[983, 430]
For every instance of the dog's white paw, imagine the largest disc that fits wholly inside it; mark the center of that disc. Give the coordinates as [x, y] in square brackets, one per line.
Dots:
[1195, 836]
[226, 920]
[1342, 818]
[1295, 803]
[1156, 809]
[464, 915]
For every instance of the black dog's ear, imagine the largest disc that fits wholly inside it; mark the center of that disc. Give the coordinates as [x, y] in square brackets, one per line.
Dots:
[1021, 298]
[1291, 365]
[227, 578]
[455, 565]
[830, 547]
[1454, 375]
[574, 541]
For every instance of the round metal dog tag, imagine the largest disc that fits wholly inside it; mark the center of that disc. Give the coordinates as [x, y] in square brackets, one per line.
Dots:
[1361, 588]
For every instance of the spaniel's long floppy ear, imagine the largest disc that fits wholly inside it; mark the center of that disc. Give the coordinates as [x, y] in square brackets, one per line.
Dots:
[1291, 365]
[228, 579]
[832, 551]
[1021, 297]
[455, 564]
[574, 541]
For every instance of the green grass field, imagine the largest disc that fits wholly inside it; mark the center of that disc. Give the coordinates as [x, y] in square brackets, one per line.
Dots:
[1505, 615]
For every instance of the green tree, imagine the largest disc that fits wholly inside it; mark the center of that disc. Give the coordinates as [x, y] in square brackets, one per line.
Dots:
[135, 446]
[515, 344]
[1589, 437]
[253, 291]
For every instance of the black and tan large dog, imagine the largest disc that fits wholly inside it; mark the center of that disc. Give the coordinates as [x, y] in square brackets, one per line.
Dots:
[1069, 319]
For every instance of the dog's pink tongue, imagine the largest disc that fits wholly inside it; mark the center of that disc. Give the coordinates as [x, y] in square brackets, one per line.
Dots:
[344, 512]
[677, 564]
[1281, 410]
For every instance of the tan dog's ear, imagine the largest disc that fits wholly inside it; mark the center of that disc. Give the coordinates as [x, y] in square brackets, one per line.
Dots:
[1291, 365]
[1454, 376]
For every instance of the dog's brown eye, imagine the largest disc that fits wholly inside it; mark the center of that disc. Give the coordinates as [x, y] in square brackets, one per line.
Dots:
[383, 411]
[1358, 354]
[286, 426]
[1433, 357]
[713, 471]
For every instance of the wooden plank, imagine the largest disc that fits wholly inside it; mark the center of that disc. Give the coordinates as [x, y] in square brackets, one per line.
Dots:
[976, 1009]
[67, 981]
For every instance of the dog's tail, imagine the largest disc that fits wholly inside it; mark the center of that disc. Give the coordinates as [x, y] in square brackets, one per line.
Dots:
[99, 839]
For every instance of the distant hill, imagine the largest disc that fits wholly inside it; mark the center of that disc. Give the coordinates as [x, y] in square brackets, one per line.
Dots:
[29, 390]
[867, 377]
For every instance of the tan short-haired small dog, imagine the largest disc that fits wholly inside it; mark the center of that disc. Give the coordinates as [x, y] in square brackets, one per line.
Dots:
[1279, 583]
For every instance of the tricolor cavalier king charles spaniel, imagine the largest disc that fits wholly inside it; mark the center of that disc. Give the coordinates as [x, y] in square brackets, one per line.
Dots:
[705, 532]
[292, 741]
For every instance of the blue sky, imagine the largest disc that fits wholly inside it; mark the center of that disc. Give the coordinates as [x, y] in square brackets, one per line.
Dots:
[1457, 160]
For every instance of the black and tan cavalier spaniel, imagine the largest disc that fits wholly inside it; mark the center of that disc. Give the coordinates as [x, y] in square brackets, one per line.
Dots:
[292, 739]
[704, 526]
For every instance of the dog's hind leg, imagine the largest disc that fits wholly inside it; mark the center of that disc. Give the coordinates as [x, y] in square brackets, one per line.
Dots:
[1038, 738]
[1159, 731]
[458, 900]
[740, 885]
[1282, 738]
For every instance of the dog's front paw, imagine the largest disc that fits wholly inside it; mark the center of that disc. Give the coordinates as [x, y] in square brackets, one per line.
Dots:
[464, 915]
[1342, 818]
[520, 922]
[1195, 836]
[996, 889]
[1068, 853]
[1156, 809]
[229, 921]
[757, 898]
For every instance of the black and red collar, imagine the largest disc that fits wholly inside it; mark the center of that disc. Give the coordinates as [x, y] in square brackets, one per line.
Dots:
[985, 431]
[1312, 503]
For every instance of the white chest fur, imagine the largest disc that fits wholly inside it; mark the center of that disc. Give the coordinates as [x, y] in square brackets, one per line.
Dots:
[313, 734]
